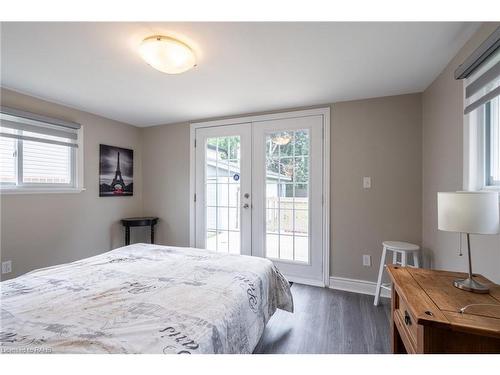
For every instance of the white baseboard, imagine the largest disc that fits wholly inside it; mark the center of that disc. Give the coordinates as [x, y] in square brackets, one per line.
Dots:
[301, 280]
[356, 286]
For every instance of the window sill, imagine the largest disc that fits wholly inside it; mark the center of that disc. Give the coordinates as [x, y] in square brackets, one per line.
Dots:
[10, 191]
[491, 189]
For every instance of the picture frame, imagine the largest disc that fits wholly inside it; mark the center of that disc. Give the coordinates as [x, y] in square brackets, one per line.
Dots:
[116, 171]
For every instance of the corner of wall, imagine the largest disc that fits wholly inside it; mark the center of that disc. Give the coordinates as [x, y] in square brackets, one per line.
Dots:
[442, 148]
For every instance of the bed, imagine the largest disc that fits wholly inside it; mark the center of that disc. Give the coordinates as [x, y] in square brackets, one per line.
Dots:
[143, 298]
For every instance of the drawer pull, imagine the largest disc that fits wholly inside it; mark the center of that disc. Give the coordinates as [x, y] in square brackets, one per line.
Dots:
[407, 318]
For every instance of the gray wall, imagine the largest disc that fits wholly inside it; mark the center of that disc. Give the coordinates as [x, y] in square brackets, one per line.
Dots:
[442, 168]
[379, 137]
[39, 230]
[166, 170]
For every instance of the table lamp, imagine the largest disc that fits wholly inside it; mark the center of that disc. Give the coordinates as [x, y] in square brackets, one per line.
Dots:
[471, 213]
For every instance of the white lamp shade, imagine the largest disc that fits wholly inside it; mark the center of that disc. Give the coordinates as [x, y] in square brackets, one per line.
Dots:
[469, 212]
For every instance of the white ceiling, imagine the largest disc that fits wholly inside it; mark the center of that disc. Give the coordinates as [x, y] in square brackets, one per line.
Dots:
[242, 67]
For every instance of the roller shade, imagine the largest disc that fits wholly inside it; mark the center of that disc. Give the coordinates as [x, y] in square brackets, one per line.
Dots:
[483, 86]
[28, 126]
[481, 72]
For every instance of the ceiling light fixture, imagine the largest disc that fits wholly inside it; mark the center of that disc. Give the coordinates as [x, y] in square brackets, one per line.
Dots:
[166, 54]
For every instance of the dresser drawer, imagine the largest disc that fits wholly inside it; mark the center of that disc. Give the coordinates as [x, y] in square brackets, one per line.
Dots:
[404, 334]
[406, 320]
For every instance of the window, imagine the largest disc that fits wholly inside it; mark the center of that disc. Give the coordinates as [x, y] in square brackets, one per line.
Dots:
[37, 153]
[482, 129]
[287, 195]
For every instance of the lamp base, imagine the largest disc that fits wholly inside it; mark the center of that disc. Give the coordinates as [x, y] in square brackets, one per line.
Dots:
[471, 285]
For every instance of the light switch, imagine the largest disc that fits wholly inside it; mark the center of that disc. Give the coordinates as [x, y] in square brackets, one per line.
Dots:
[7, 266]
[367, 260]
[367, 182]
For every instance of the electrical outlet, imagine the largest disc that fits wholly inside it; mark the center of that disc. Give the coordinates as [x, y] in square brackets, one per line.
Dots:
[367, 182]
[7, 266]
[367, 260]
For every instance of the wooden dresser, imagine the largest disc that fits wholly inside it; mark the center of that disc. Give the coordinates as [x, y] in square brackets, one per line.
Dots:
[426, 319]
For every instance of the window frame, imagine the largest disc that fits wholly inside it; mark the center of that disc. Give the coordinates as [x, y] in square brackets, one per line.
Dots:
[76, 178]
[476, 163]
[489, 108]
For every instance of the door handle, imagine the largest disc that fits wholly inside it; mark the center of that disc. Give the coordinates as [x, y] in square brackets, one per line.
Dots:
[246, 205]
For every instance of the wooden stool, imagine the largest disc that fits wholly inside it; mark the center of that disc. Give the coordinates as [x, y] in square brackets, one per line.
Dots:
[397, 248]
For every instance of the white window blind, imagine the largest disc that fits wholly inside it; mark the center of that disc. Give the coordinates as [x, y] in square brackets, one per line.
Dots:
[37, 151]
[46, 163]
[483, 85]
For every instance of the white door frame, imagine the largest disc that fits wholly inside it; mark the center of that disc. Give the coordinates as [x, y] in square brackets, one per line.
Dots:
[325, 112]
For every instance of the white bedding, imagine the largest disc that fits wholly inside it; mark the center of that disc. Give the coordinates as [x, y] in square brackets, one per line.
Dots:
[143, 299]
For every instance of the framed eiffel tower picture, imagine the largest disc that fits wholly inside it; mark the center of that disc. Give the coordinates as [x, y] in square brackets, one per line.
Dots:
[116, 171]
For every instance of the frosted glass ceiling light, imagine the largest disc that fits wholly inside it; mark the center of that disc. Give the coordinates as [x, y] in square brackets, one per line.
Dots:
[282, 139]
[167, 54]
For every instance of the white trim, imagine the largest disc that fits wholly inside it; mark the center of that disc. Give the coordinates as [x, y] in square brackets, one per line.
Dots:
[323, 111]
[192, 185]
[466, 173]
[255, 118]
[40, 190]
[326, 196]
[356, 286]
[491, 188]
[79, 154]
[304, 281]
[473, 151]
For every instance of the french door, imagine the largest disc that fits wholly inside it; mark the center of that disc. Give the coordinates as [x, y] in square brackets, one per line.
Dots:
[258, 189]
[223, 189]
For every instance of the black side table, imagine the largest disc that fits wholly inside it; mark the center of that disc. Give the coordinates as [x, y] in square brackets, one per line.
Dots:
[139, 222]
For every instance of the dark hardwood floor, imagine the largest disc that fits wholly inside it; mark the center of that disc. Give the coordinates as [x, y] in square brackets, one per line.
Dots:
[328, 321]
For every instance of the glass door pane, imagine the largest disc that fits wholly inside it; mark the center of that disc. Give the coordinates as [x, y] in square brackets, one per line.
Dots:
[287, 195]
[222, 187]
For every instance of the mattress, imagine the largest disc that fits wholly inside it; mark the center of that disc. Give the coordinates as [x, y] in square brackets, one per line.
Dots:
[143, 298]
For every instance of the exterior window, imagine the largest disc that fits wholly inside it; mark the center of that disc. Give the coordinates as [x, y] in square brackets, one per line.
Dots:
[287, 195]
[481, 126]
[37, 153]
